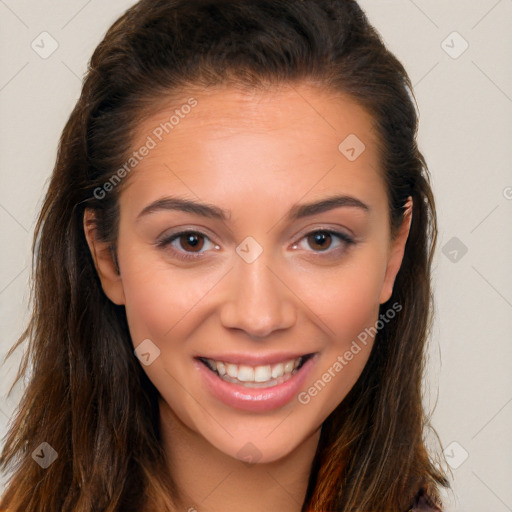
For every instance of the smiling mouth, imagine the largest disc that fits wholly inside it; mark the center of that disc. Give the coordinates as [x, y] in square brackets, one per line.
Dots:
[262, 376]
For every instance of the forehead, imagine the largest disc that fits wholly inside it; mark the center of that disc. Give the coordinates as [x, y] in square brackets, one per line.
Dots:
[292, 108]
[231, 137]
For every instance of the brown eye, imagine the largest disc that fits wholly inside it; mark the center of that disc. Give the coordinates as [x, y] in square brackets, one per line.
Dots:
[187, 245]
[191, 241]
[326, 243]
[320, 240]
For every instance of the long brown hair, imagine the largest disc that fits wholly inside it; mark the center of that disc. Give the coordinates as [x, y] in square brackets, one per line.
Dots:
[87, 396]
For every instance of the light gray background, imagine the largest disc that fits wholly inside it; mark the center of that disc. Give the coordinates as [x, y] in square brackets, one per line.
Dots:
[465, 102]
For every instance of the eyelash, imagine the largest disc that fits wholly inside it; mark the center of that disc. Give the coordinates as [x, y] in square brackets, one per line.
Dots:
[167, 241]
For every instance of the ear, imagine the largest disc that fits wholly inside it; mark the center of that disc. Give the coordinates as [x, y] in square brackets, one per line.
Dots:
[396, 253]
[104, 260]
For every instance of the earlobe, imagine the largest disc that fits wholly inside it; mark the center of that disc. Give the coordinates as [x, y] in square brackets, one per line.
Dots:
[397, 253]
[104, 261]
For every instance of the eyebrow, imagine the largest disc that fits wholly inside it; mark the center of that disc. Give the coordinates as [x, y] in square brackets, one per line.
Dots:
[214, 212]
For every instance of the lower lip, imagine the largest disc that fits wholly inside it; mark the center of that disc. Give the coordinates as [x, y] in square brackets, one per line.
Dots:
[255, 399]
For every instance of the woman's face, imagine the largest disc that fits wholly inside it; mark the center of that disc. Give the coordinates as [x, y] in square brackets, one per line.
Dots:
[277, 278]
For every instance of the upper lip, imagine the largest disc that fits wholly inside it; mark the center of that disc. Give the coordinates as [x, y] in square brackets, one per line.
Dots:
[255, 359]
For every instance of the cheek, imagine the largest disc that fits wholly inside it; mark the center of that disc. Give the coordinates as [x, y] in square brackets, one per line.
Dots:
[157, 297]
[348, 306]
[345, 298]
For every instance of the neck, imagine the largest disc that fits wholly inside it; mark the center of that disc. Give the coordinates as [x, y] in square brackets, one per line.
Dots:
[209, 480]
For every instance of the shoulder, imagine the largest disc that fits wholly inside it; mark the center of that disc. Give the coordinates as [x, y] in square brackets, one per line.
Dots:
[422, 502]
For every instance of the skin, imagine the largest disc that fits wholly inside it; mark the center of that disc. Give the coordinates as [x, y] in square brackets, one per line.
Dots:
[255, 155]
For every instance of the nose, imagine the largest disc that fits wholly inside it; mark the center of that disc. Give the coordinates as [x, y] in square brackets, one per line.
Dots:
[259, 300]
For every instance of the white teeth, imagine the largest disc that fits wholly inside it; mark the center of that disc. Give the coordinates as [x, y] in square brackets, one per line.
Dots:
[288, 367]
[278, 370]
[221, 369]
[261, 374]
[254, 374]
[232, 370]
[245, 373]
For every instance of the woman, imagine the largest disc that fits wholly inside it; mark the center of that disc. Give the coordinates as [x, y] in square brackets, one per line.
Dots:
[232, 280]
